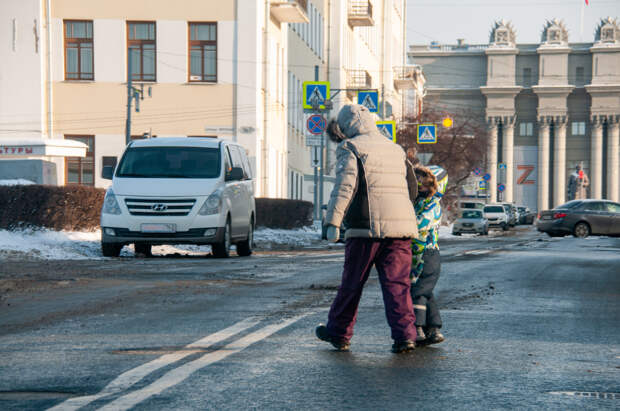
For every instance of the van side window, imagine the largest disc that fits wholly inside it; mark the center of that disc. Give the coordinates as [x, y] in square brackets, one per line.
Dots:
[246, 164]
[235, 154]
[227, 163]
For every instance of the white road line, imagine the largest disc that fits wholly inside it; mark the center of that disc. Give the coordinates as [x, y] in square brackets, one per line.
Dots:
[129, 378]
[180, 374]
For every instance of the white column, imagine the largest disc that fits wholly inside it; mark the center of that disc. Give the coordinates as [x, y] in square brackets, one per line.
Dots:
[543, 164]
[508, 154]
[596, 159]
[492, 160]
[613, 160]
[559, 162]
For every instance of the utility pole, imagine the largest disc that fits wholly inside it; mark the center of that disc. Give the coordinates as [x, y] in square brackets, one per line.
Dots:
[129, 97]
[132, 93]
[321, 161]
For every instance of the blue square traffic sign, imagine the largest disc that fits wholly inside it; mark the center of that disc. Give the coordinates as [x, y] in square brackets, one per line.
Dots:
[315, 93]
[369, 99]
[388, 129]
[427, 134]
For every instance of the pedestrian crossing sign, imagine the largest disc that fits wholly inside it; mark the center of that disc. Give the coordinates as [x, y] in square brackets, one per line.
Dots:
[427, 134]
[315, 93]
[369, 99]
[388, 129]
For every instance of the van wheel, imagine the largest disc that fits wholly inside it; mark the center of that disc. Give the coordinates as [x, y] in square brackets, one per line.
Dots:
[143, 249]
[222, 250]
[244, 248]
[505, 227]
[111, 249]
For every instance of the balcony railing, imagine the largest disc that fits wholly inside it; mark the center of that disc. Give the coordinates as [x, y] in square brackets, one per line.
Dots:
[292, 11]
[409, 77]
[360, 13]
[359, 79]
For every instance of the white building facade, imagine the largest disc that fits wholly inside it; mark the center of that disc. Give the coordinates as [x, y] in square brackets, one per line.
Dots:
[355, 45]
[549, 107]
[202, 68]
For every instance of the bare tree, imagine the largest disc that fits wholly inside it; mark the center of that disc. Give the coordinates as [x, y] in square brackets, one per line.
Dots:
[459, 149]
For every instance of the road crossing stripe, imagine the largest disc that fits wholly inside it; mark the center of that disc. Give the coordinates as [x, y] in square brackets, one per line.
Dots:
[131, 377]
[180, 374]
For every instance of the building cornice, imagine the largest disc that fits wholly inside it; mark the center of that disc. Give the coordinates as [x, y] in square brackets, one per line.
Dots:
[561, 90]
[605, 48]
[510, 90]
[602, 88]
[554, 50]
[502, 51]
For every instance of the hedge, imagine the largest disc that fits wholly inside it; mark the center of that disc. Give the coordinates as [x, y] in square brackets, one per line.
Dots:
[77, 208]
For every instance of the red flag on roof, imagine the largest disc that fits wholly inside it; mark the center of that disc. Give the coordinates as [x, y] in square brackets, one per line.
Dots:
[587, 3]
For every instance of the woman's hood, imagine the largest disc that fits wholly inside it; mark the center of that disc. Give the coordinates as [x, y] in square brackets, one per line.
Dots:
[355, 119]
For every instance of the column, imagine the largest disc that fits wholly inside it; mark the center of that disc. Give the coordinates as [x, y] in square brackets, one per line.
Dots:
[559, 162]
[543, 164]
[613, 159]
[596, 159]
[508, 127]
[492, 160]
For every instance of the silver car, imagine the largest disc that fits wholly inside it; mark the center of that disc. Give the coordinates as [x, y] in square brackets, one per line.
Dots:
[471, 221]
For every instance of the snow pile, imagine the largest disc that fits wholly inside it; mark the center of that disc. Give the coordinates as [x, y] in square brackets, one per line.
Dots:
[73, 245]
[16, 182]
[268, 238]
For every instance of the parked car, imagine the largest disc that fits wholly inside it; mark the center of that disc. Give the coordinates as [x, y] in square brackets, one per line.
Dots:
[179, 190]
[477, 205]
[497, 216]
[525, 215]
[471, 221]
[581, 218]
[511, 210]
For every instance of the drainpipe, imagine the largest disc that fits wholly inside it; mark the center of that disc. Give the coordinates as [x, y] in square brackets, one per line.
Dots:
[382, 66]
[235, 68]
[405, 94]
[48, 34]
[265, 101]
[329, 19]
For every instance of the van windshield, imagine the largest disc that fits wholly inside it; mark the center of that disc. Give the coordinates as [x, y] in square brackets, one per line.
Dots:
[493, 209]
[170, 162]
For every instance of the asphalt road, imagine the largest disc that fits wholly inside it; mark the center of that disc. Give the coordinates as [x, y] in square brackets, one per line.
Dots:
[531, 323]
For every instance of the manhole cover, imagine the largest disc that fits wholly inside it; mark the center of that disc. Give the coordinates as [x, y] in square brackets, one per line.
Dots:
[589, 394]
[34, 395]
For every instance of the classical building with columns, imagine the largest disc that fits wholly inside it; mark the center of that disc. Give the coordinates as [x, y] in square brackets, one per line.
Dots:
[549, 107]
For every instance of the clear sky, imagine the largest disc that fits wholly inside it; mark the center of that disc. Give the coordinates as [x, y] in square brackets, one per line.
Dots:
[447, 20]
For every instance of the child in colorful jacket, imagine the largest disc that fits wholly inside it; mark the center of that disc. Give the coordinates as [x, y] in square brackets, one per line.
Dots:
[426, 265]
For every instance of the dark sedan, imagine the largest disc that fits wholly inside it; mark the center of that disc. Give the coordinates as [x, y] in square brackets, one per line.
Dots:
[581, 218]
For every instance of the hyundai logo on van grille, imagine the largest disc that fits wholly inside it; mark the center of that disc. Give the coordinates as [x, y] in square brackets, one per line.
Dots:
[160, 207]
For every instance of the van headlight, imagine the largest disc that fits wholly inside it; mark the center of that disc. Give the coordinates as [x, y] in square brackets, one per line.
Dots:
[110, 205]
[212, 204]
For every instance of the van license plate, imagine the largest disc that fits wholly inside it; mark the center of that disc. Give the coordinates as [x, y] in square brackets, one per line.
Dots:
[158, 228]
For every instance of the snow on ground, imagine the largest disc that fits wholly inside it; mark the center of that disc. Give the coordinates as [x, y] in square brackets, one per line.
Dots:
[16, 182]
[66, 245]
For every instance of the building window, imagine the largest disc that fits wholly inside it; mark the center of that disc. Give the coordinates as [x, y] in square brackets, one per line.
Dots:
[526, 129]
[109, 161]
[81, 170]
[527, 77]
[578, 128]
[79, 50]
[141, 50]
[203, 52]
[579, 77]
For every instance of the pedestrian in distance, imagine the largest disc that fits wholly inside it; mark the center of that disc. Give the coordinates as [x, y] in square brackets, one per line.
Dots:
[373, 193]
[426, 264]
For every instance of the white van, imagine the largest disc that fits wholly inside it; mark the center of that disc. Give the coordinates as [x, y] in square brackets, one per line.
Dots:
[179, 190]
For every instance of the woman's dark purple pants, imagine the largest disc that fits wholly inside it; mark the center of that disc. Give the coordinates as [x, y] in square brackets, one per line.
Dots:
[392, 258]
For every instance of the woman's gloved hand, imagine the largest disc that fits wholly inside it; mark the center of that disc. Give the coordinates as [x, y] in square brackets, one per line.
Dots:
[333, 233]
